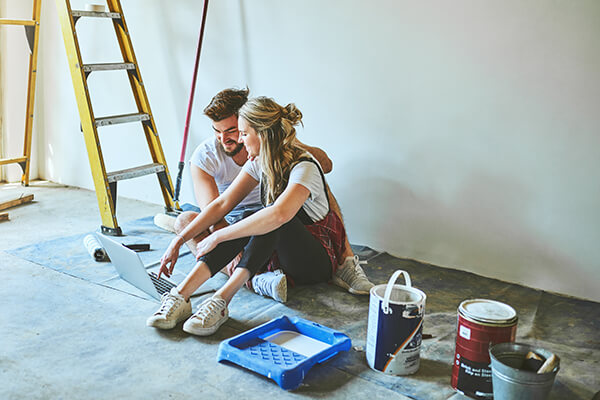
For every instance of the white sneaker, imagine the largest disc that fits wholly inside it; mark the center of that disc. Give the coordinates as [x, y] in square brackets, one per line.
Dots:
[211, 314]
[272, 284]
[173, 309]
[352, 277]
[166, 222]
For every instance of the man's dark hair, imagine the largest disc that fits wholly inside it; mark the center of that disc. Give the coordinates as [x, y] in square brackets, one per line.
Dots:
[226, 103]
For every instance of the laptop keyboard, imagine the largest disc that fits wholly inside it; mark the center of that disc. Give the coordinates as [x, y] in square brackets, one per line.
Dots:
[161, 285]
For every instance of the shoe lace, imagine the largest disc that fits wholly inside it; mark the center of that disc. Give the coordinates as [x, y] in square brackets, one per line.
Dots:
[167, 303]
[262, 285]
[360, 273]
[208, 308]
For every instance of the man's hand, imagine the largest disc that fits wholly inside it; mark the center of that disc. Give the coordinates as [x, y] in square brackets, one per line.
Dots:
[219, 225]
[229, 268]
[168, 260]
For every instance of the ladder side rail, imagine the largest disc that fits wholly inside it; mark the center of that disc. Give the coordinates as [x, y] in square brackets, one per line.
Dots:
[106, 203]
[141, 99]
[25, 161]
[33, 59]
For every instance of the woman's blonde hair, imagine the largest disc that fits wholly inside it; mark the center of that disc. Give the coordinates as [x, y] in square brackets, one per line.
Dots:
[279, 151]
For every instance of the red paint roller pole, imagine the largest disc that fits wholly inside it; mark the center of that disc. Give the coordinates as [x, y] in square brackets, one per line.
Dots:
[188, 117]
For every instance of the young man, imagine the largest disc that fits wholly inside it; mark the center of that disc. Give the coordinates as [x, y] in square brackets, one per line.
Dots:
[214, 165]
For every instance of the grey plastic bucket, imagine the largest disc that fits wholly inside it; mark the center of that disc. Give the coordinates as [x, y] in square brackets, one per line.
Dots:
[510, 382]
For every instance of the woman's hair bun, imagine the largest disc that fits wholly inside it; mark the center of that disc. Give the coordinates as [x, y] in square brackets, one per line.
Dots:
[291, 113]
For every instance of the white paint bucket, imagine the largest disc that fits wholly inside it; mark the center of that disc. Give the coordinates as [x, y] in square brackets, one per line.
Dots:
[395, 327]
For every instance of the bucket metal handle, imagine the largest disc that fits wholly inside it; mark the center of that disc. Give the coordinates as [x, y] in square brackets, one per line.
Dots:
[385, 304]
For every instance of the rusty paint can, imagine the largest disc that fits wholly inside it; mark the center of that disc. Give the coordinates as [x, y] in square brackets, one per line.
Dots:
[481, 323]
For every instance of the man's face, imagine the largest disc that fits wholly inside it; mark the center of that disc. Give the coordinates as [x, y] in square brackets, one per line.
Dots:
[226, 131]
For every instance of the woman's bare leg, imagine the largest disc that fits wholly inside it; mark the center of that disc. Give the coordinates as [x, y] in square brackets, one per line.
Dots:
[193, 280]
[239, 277]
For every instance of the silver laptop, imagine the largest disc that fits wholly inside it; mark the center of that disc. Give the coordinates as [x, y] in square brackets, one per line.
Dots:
[131, 268]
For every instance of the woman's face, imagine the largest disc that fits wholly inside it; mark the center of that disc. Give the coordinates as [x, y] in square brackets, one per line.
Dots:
[249, 137]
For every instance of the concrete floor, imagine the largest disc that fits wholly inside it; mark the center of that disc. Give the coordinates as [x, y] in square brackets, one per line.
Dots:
[64, 337]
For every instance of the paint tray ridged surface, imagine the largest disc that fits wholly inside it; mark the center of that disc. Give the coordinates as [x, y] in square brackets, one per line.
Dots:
[284, 349]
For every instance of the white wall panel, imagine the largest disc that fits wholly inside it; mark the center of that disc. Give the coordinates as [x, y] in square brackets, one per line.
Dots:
[463, 133]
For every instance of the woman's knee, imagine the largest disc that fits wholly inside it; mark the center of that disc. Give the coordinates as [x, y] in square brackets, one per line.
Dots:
[183, 220]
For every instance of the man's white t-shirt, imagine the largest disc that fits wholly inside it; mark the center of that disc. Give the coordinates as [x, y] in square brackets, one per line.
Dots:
[211, 158]
[307, 174]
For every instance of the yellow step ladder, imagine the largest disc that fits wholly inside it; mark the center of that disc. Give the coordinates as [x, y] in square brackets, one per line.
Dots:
[106, 183]
[32, 32]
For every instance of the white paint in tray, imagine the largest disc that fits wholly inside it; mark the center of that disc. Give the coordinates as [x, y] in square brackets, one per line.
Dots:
[297, 343]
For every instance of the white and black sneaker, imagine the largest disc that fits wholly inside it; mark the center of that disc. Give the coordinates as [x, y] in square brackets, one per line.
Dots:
[272, 284]
[173, 309]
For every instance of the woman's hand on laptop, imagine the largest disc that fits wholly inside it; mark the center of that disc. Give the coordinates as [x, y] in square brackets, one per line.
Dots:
[168, 260]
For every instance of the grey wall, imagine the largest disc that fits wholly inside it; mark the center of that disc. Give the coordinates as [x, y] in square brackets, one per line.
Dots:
[463, 133]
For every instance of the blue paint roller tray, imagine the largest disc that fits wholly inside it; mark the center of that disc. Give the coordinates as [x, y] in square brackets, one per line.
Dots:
[284, 349]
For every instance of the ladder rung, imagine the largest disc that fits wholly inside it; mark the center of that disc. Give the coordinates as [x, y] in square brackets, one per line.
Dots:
[134, 172]
[12, 160]
[96, 14]
[121, 119]
[25, 22]
[108, 67]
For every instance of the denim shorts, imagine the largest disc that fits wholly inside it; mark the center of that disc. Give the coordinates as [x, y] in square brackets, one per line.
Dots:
[241, 213]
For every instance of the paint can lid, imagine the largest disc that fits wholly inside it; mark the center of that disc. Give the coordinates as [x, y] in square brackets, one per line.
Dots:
[488, 311]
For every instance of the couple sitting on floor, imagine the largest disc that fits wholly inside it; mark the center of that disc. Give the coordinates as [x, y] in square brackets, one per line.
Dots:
[267, 215]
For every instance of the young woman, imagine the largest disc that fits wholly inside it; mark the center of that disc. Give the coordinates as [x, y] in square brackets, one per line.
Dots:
[296, 231]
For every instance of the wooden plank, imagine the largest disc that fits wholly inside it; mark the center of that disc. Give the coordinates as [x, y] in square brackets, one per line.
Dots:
[12, 160]
[24, 22]
[16, 202]
[4, 217]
